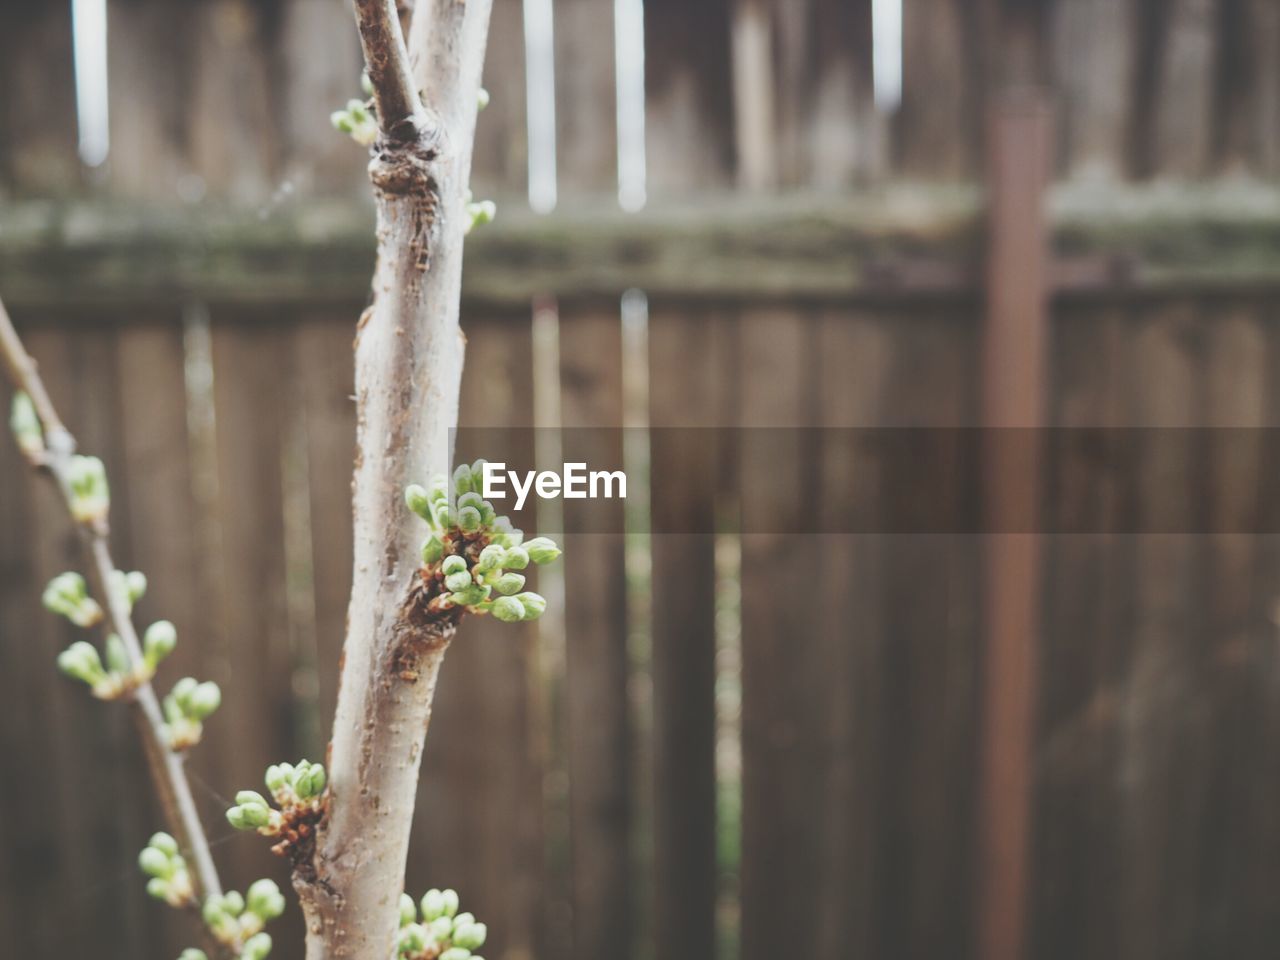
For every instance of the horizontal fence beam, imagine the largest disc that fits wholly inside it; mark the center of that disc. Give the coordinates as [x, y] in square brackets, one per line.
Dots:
[897, 243]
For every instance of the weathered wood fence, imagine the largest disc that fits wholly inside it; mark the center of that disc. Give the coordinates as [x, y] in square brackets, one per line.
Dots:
[678, 763]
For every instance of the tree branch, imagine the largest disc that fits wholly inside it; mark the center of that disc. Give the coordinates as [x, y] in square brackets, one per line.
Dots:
[409, 354]
[166, 766]
[387, 62]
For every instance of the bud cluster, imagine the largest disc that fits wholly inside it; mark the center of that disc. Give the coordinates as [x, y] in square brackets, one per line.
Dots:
[129, 588]
[356, 119]
[89, 496]
[438, 932]
[479, 212]
[236, 921]
[170, 880]
[25, 424]
[68, 595]
[471, 560]
[186, 708]
[298, 791]
[80, 661]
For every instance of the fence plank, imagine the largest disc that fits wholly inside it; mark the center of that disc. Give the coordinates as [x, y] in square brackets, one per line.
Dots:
[1246, 110]
[479, 817]
[689, 349]
[500, 163]
[586, 104]
[596, 643]
[780, 735]
[1171, 118]
[38, 110]
[689, 98]
[937, 130]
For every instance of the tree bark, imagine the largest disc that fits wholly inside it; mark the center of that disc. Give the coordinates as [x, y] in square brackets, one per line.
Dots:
[409, 354]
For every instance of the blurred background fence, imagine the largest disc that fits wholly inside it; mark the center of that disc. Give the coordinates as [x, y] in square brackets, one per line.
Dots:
[717, 213]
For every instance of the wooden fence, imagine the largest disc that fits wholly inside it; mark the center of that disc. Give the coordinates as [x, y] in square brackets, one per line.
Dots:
[675, 763]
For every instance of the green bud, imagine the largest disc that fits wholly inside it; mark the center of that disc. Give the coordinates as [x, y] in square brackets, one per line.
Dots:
[366, 84]
[517, 558]
[250, 796]
[158, 642]
[233, 903]
[432, 549]
[341, 121]
[249, 816]
[459, 581]
[117, 655]
[470, 935]
[191, 953]
[276, 778]
[154, 863]
[204, 700]
[479, 214]
[450, 902]
[463, 482]
[534, 605]
[432, 905]
[316, 780]
[444, 515]
[453, 564]
[509, 584]
[482, 99]
[542, 550]
[491, 558]
[135, 583]
[439, 491]
[90, 495]
[26, 425]
[456, 953]
[472, 499]
[505, 534]
[408, 911]
[472, 595]
[68, 595]
[158, 887]
[462, 919]
[80, 661]
[264, 899]
[412, 939]
[256, 947]
[182, 691]
[164, 843]
[508, 609]
[469, 519]
[441, 927]
[415, 497]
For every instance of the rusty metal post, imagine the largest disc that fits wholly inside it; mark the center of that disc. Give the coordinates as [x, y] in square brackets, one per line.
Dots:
[1013, 402]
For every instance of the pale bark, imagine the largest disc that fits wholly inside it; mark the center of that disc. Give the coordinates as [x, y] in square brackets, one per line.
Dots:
[409, 356]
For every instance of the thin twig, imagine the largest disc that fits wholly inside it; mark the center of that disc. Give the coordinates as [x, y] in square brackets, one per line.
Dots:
[387, 61]
[167, 768]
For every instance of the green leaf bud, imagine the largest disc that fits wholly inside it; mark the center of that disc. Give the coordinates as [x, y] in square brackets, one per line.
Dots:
[90, 495]
[204, 700]
[276, 778]
[250, 796]
[453, 564]
[508, 609]
[182, 691]
[249, 816]
[408, 910]
[471, 499]
[471, 596]
[432, 549]
[469, 519]
[155, 863]
[412, 938]
[256, 947]
[315, 780]
[450, 898]
[264, 899]
[415, 497]
[491, 558]
[25, 424]
[158, 887]
[509, 584]
[80, 661]
[441, 927]
[462, 479]
[366, 84]
[135, 585]
[233, 903]
[479, 214]
[459, 581]
[164, 843]
[68, 595]
[117, 655]
[191, 953]
[158, 642]
[517, 558]
[470, 935]
[432, 905]
[456, 953]
[542, 550]
[534, 605]
[444, 515]
[341, 121]
[462, 919]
